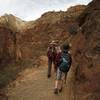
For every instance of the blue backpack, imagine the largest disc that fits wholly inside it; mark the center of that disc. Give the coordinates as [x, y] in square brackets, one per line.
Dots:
[65, 63]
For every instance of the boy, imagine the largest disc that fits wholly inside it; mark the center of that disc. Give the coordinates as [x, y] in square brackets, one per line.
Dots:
[63, 68]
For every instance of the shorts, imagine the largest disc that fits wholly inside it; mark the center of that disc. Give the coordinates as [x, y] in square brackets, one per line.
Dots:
[60, 74]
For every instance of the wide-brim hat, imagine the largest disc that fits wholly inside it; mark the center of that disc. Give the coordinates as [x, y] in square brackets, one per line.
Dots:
[53, 42]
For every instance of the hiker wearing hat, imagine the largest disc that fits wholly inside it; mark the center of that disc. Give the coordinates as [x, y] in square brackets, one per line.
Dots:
[51, 54]
[63, 68]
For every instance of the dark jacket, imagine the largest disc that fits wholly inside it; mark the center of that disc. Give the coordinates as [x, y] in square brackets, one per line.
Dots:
[51, 53]
[57, 58]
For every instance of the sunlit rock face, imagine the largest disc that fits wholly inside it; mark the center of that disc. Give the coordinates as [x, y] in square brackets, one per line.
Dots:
[87, 54]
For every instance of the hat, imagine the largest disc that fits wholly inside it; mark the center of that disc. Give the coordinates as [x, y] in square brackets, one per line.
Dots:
[53, 42]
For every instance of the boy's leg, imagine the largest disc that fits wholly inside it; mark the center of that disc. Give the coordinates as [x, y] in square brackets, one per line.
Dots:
[58, 81]
[61, 78]
[60, 85]
[65, 77]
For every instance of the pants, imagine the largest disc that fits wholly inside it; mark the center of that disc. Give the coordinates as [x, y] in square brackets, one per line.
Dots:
[50, 63]
[61, 75]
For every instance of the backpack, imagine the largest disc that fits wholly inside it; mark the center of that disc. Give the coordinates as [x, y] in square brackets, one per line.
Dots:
[66, 61]
[51, 52]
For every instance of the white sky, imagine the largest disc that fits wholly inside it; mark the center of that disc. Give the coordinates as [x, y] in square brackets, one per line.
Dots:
[32, 9]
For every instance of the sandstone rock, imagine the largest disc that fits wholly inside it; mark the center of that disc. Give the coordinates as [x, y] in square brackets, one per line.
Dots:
[87, 59]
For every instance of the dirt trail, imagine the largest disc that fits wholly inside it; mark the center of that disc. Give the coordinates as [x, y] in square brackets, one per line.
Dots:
[33, 84]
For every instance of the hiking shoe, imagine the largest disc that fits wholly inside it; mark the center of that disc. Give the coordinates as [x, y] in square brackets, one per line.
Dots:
[49, 76]
[60, 90]
[55, 91]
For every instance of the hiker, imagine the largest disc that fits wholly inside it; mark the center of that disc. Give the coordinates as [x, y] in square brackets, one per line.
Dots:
[51, 53]
[63, 68]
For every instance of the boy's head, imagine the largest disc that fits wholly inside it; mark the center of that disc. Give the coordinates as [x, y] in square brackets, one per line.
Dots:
[65, 47]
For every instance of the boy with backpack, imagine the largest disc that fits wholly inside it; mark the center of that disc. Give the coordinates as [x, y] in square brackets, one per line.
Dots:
[63, 68]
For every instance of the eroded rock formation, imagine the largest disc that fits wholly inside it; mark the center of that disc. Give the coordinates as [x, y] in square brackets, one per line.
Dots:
[86, 54]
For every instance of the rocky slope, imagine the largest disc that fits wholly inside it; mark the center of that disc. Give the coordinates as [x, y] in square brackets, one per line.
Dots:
[20, 38]
[56, 23]
[12, 22]
[87, 54]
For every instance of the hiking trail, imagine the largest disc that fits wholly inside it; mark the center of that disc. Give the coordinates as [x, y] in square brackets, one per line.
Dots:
[33, 84]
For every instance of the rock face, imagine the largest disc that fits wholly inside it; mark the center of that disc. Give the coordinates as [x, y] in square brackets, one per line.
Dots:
[12, 22]
[76, 10]
[9, 29]
[21, 39]
[6, 44]
[87, 54]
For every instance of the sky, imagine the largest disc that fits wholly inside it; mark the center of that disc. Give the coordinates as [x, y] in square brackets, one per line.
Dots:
[33, 9]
